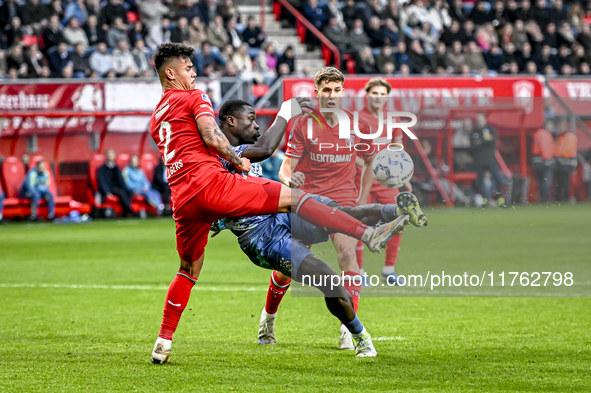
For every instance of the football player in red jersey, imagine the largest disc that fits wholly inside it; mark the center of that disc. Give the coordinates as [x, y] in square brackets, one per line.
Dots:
[190, 141]
[377, 91]
[324, 164]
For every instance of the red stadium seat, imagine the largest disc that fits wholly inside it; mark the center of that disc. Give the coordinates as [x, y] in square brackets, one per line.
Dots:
[122, 160]
[13, 174]
[259, 90]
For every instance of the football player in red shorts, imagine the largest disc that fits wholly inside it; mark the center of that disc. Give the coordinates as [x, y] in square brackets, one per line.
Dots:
[377, 91]
[190, 141]
[324, 164]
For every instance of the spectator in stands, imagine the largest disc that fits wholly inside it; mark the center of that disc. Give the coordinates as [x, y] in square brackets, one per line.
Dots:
[288, 57]
[233, 34]
[456, 12]
[59, 59]
[455, 58]
[137, 32]
[76, 9]
[136, 181]
[358, 39]
[14, 32]
[181, 32]
[427, 38]
[418, 60]
[8, 10]
[16, 61]
[541, 13]
[386, 55]
[452, 34]
[53, 33]
[209, 10]
[336, 34]
[483, 140]
[566, 159]
[265, 64]
[37, 187]
[525, 56]
[401, 56]
[73, 34]
[174, 10]
[482, 13]
[243, 62]
[55, 8]
[508, 57]
[101, 61]
[230, 70]
[3, 64]
[349, 13]
[550, 36]
[332, 10]
[542, 160]
[253, 35]
[314, 13]
[80, 62]
[227, 53]
[208, 57]
[34, 61]
[217, 34]
[143, 61]
[116, 33]
[584, 37]
[34, 14]
[113, 10]
[93, 32]
[228, 10]
[111, 182]
[390, 31]
[519, 34]
[151, 12]
[160, 184]
[417, 10]
[374, 32]
[440, 18]
[475, 59]
[123, 61]
[191, 10]
[197, 33]
[365, 62]
[439, 59]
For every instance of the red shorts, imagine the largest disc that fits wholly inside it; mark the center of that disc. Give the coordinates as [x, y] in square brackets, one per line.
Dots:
[228, 195]
[383, 195]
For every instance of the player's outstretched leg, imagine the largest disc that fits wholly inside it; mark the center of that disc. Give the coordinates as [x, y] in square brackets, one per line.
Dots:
[278, 286]
[338, 301]
[335, 220]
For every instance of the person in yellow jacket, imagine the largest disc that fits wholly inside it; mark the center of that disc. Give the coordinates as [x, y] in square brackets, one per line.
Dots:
[566, 159]
[543, 162]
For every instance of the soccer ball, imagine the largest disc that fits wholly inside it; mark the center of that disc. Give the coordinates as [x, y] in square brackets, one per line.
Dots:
[393, 168]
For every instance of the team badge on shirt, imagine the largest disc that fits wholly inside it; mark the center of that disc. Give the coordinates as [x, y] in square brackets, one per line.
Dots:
[206, 98]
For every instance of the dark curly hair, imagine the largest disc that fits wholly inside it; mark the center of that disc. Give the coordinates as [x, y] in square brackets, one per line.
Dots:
[231, 108]
[167, 52]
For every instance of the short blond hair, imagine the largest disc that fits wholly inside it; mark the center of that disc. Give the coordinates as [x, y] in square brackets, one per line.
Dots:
[377, 81]
[329, 74]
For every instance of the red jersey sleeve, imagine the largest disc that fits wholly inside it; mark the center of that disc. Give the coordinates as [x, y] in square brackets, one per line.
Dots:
[296, 141]
[200, 104]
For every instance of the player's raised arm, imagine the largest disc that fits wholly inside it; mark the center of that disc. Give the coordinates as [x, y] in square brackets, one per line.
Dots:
[268, 143]
[213, 137]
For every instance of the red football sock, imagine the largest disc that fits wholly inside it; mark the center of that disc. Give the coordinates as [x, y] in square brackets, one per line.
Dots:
[330, 218]
[277, 289]
[392, 249]
[353, 286]
[359, 251]
[177, 298]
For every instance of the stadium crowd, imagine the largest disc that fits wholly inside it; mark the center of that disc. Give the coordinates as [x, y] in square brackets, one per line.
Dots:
[115, 38]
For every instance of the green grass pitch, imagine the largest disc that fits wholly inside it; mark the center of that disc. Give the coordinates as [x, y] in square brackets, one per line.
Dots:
[81, 307]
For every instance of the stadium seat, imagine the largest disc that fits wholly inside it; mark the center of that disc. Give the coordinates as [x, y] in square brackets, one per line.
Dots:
[259, 90]
[13, 175]
[122, 160]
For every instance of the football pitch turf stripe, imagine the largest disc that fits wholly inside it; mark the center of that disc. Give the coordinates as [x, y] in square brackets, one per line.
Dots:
[131, 287]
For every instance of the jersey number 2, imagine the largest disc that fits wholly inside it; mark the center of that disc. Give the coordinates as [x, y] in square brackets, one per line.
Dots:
[166, 132]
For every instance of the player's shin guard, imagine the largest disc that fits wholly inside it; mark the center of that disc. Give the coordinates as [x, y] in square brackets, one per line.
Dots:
[329, 218]
[177, 298]
[277, 289]
[392, 249]
[352, 281]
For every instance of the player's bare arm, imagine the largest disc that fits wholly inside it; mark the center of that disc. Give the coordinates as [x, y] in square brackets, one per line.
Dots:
[292, 180]
[214, 138]
[269, 142]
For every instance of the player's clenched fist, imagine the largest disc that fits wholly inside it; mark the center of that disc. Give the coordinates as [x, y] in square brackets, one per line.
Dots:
[297, 179]
[245, 165]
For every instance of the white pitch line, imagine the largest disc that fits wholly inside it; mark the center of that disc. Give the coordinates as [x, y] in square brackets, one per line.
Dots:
[397, 338]
[133, 287]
